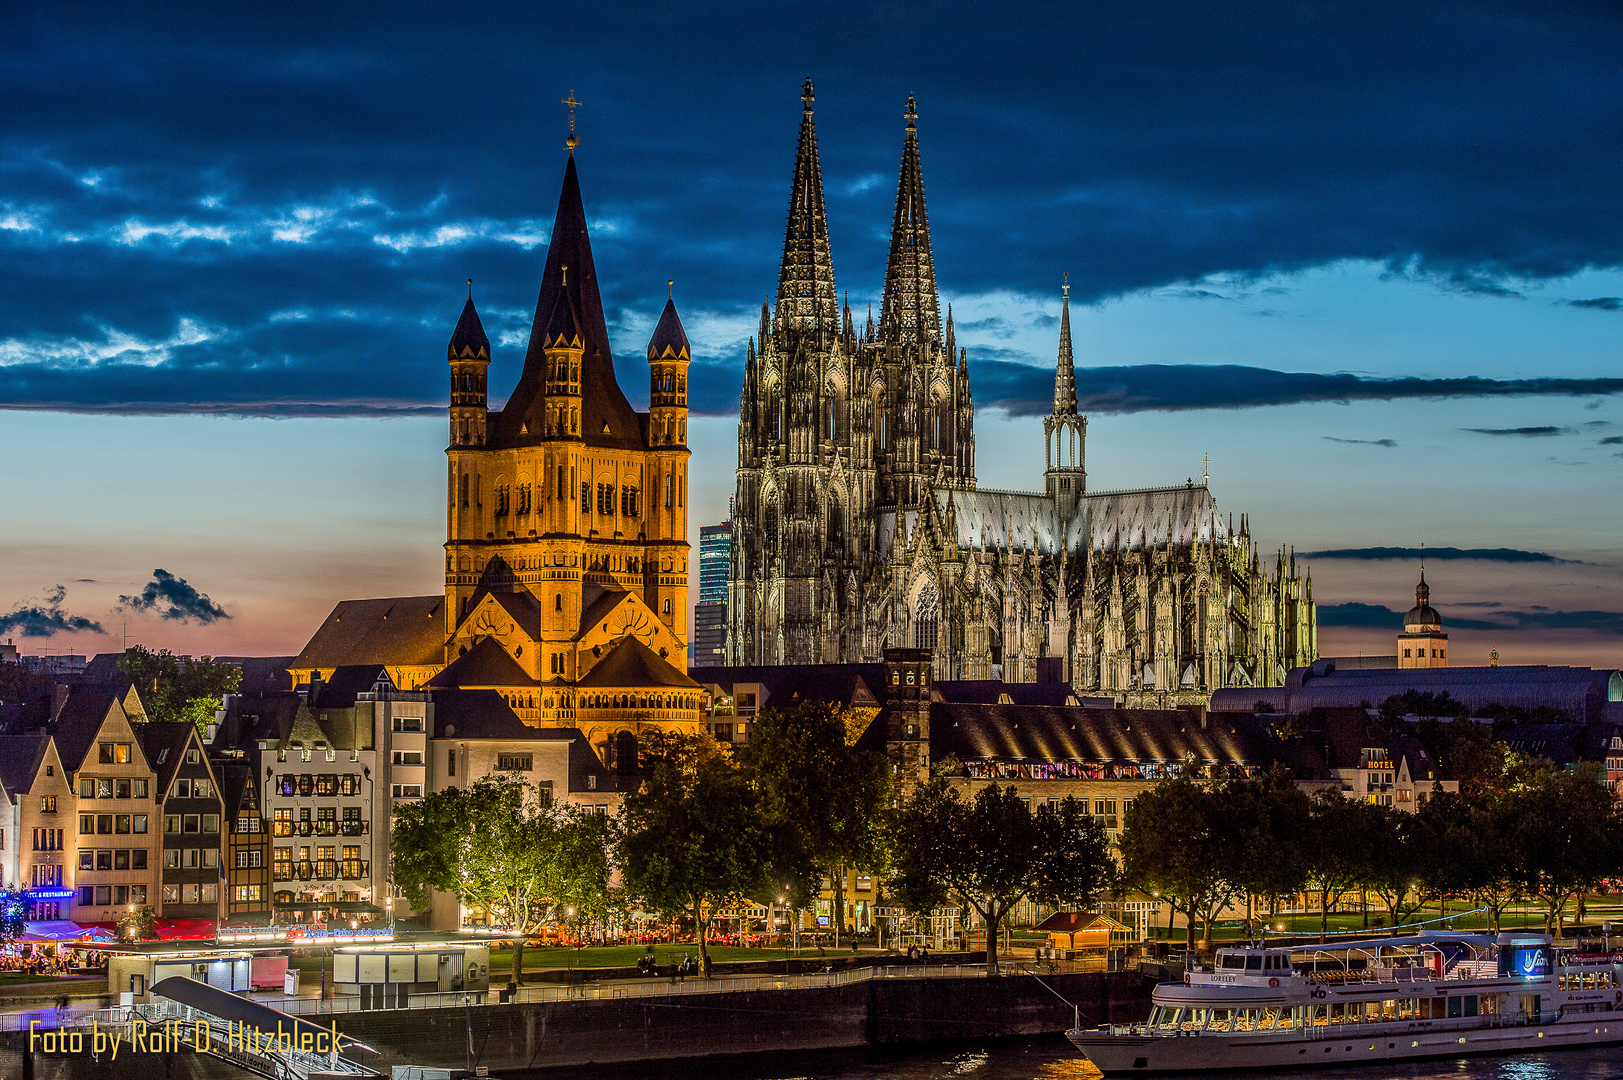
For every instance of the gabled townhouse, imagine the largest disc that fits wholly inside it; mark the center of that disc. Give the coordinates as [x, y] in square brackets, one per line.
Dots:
[188, 803]
[40, 859]
[115, 860]
[18, 758]
[247, 845]
[322, 785]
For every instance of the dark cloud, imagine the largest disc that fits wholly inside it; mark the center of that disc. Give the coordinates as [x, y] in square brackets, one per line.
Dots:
[1359, 615]
[1612, 440]
[1027, 390]
[1520, 432]
[1440, 554]
[45, 619]
[1363, 442]
[1600, 303]
[1374, 616]
[300, 197]
[172, 597]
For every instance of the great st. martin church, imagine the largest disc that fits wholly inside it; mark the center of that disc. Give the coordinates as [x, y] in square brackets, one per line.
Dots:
[859, 524]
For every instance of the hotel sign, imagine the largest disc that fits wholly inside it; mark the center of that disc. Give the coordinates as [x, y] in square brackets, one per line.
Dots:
[49, 894]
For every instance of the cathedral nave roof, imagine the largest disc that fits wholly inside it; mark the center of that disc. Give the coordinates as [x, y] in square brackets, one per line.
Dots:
[1109, 521]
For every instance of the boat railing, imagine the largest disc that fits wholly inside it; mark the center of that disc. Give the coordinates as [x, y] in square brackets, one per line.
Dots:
[1464, 970]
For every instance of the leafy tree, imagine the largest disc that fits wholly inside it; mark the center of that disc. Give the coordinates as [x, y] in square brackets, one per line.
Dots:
[820, 798]
[1343, 838]
[139, 924]
[176, 690]
[992, 852]
[1272, 814]
[1420, 703]
[1467, 752]
[13, 912]
[1566, 833]
[1472, 852]
[17, 683]
[693, 839]
[1181, 839]
[1402, 846]
[499, 844]
[585, 874]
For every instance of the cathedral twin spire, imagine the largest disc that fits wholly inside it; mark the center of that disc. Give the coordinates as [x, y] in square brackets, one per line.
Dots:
[910, 312]
[806, 299]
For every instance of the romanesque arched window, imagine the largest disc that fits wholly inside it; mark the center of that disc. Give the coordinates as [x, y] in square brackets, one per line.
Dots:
[625, 753]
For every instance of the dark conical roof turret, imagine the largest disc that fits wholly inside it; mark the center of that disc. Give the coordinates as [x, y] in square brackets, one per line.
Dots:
[563, 329]
[468, 340]
[669, 338]
[607, 419]
[806, 297]
[911, 311]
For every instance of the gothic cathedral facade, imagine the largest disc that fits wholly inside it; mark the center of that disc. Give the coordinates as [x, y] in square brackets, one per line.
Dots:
[859, 525]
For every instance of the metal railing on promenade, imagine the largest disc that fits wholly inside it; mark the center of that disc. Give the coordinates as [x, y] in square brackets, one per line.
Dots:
[601, 990]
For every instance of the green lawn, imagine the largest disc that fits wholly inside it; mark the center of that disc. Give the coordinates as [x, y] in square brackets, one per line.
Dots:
[627, 955]
[20, 978]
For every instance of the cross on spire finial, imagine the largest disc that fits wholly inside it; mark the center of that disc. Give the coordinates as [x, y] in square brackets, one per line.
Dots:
[1066, 287]
[573, 140]
[1206, 464]
[806, 94]
[912, 111]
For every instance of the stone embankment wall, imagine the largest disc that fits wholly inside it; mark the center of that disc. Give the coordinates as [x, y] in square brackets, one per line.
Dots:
[521, 1038]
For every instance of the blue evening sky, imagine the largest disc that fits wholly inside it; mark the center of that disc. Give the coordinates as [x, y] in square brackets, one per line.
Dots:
[1368, 257]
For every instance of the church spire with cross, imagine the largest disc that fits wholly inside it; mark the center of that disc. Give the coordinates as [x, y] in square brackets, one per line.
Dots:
[911, 312]
[806, 297]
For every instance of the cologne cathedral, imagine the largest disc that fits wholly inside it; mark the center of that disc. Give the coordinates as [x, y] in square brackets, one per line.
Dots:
[859, 525]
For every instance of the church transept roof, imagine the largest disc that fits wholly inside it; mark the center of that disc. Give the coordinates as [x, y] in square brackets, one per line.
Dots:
[631, 663]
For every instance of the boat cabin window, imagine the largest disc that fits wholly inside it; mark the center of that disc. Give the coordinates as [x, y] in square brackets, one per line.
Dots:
[1232, 962]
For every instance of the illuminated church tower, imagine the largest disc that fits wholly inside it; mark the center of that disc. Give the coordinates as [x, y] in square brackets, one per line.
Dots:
[566, 553]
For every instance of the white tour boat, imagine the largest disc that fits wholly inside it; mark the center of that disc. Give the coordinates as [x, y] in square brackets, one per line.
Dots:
[1421, 996]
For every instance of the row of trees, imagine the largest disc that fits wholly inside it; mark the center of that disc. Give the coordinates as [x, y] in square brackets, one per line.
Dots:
[707, 831]
[1540, 836]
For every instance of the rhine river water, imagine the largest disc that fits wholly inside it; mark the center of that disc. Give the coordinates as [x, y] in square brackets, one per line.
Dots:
[1051, 1058]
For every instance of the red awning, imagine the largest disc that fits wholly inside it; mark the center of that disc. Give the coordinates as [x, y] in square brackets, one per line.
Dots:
[186, 929]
